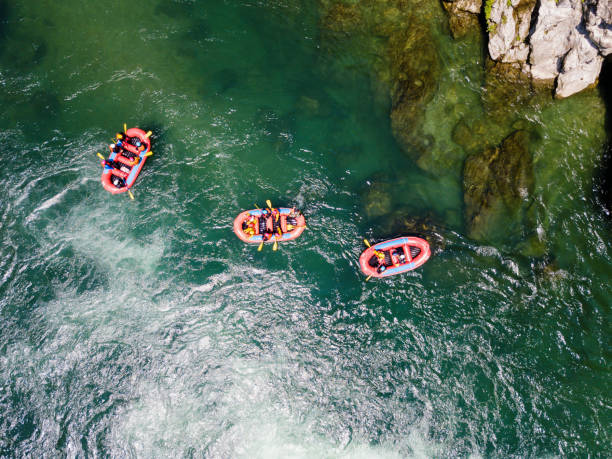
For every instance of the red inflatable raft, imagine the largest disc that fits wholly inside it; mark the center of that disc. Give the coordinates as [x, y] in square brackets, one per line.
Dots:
[282, 224]
[394, 256]
[128, 158]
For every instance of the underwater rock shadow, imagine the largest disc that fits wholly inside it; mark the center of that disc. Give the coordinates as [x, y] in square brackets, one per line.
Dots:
[602, 183]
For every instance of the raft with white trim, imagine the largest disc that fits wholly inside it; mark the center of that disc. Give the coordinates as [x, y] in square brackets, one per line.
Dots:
[395, 256]
[291, 223]
[120, 180]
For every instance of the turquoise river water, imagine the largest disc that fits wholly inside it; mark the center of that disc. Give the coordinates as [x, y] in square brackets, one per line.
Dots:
[146, 328]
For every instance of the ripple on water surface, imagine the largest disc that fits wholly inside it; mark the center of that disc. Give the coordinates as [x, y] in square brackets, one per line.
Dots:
[145, 328]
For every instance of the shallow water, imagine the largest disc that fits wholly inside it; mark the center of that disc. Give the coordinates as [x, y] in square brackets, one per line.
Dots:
[146, 328]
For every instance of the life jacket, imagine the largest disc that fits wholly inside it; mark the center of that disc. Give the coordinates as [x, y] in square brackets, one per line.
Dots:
[395, 260]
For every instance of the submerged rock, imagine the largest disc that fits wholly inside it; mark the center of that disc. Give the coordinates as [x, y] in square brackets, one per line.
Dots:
[402, 52]
[402, 224]
[497, 185]
[463, 16]
[377, 200]
[415, 73]
[341, 17]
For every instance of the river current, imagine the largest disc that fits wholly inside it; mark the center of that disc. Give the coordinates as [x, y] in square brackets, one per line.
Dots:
[145, 328]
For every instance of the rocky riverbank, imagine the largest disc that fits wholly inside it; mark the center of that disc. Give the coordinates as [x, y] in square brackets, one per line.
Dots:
[559, 44]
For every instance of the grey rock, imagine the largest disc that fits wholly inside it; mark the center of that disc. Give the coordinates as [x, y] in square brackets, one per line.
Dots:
[554, 35]
[508, 30]
[598, 22]
[581, 67]
[561, 46]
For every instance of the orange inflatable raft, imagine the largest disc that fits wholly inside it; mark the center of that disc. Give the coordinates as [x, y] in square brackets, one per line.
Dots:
[269, 225]
[394, 256]
[120, 179]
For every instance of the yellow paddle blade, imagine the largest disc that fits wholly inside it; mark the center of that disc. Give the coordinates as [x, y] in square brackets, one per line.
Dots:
[149, 154]
[131, 195]
[269, 203]
[148, 134]
[365, 241]
[290, 227]
[257, 207]
[124, 127]
[100, 156]
[368, 278]
[280, 233]
[260, 247]
[275, 246]
[277, 217]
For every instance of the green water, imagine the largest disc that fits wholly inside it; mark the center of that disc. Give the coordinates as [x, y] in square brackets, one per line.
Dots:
[146, 328]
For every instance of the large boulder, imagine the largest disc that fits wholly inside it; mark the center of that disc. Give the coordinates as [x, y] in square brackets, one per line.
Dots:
[497, 186]
[552, 37]
[598, 22]
[561, 48]
[508, 24]
[581, 68]
[559, 44]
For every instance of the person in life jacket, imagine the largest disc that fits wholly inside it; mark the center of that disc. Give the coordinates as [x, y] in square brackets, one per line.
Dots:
[381, 260]
[251, 225]
[395, 260]
[112, 164]
[138, 144]
[122, 137]
[266, 235]
[118, 181]
[274, 213]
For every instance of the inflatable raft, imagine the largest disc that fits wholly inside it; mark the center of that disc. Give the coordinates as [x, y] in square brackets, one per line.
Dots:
[128, 158]
[269, 225]
[394, 256]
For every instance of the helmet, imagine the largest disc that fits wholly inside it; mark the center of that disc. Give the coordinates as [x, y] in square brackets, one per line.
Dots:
[119, 135]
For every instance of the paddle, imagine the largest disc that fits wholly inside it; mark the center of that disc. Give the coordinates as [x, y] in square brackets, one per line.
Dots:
[131, 195]
[368, 278]
[125, 128]
[148, 134]
[290, 227]
[275, 246]
[100, 156]
[260, 246]
[150, 153]
[269, 204]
